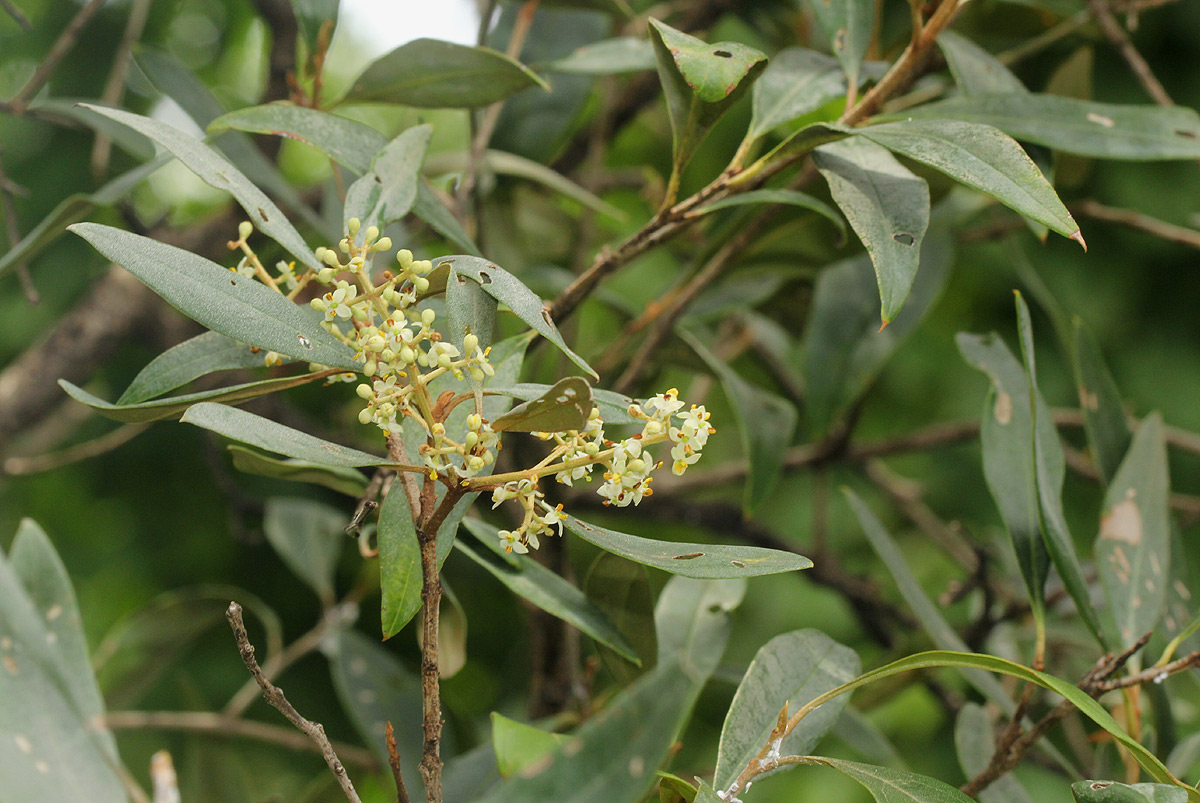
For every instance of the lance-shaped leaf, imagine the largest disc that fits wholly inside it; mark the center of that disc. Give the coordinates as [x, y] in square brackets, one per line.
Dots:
[1134, 544]
[520, 300]
[348, 481]
[1006, 434]
[844, 351]
[518, 745]
[1115, 792]
[621, 589]
[469, 310]
[387, 191]
[983, 158]
[430, 73]
[613, 756]
[175, 406]
[779, 196]
[191, 359]
[975, 744]
[264, 433]
[309, 536]
[790, 669]
[565, 406]
[976, 71]
[1047, 456]
[701, 82]
[216, 171]
[1104, 418]
[219, 298]
[888, 208]
[848, 24]
[889, 785]
[347, 142]
[530, 580]
[613, 406]
[315, 19]
[1100, 130]
[608, 57]
[766, 423]
[702, 561]
[400, 574]
[796, 82]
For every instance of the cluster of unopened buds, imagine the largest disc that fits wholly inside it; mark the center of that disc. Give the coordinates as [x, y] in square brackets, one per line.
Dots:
[401, 353]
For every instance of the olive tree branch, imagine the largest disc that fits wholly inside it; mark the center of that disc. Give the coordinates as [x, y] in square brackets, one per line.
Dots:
[66, 40]
[274, 696]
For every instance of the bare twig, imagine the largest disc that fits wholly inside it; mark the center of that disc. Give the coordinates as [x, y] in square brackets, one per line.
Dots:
[18, 466]
[12, 230]
[274, 696]
[218, 725]
[114, 87]
[1120, 40]
[18, 16]
[394, 763]
[909, 501]
[66, 40]
[1136, 220]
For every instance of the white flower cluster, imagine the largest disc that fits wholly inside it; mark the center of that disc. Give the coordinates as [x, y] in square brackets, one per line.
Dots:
[539, 518]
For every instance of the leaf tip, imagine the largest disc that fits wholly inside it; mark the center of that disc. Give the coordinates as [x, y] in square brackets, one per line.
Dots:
[884, 324]
[1078, 237]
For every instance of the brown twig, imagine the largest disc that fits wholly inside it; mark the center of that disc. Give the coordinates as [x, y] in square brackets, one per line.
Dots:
[908, 499]
[114, 87]
[66, 40]
[16, 13]
[1136, 220]
[394, 763]
[274, 696]
[19, 466]
[218, 725]
[12, 230]
[1120, 40]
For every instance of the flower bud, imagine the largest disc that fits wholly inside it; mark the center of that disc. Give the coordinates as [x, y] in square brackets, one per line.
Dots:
[470, 342]
[364, 415]
[318, 304]
[388, 356]
[370, 368]
[384, 244]
[331, 259]
[407, 356]
[470, 440]
[404, 257]
[377, 343]
[245, 229]
[428, 316]
[421, 284]
[372, 234]
[353, 225]
[325, 275]
[364, 391]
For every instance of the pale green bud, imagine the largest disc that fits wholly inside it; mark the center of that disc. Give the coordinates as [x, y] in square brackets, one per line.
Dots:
[476, 374]
[388, 356]
[404, 257]
[470, 440]
[384, 244]
[407, 356]
[318, 304]
[370, 368]
[428, 316]
[364, 391]
[245, 229]
[470, 342]
[331, 259]
[421, 284]
[377, 343]
[353, 225]
[364, 416]
[372, 233]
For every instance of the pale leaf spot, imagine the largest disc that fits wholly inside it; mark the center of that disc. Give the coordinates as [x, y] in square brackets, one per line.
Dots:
[1088, 401]
[637, 766]
[1004, 409]
[1182, 590]
[358, 666]
[366, 696]
[42, 767]
[1123, 523]
[54, 612]
[1100, 119]
[51, 637]
[23, 744]
[5, 643]
[10, 664]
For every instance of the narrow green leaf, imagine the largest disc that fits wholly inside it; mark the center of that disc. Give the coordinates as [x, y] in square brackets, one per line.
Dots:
[766, 423]
[136, 145]
[930, 618]
[704, 561]
[1114, 792]
[191, 359]
[844, 351]
[1100, 130]
[313, 17]
[1104, 418]
[346, 481]
[520, 300]
[531, 581]
[1006, 434]
[264, 433]
[613, 756]
[518, 745]
[621, 590]
[860, 733]
[1133, 547]
[1086, 705]
[673, 789]
[796, 82]
[564, 407]
[309, 536]
[976, 71]
[216, 171]
[609, 57]
[375, 688]
[469, 309]
[434, 74]
[221, 299]
[779, 196]
[790, 669]
[848, 24]
[1047, 457]
[346, 141]
[975, 744]
[701, 82]
[983, 158]
[387, 191]
[400, 575]
[72, 210]
[175, 406]
[888, 785]
[440, 219]
[888, 208]
[613, 406]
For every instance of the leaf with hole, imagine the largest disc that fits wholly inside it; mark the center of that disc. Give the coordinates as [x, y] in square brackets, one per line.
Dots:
[1115, 792]
[430, 73]
[888, 208]
[220, 299]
